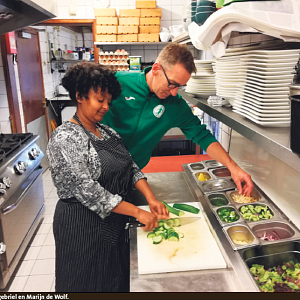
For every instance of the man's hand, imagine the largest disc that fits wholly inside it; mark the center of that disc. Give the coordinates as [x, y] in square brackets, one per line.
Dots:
[239, 176]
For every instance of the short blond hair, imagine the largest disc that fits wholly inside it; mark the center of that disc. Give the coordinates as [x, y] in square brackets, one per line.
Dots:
[176, 53]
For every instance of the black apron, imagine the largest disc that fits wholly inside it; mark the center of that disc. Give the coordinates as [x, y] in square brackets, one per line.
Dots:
[112, 240]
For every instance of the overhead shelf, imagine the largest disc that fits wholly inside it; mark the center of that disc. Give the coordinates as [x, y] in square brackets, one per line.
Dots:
[130, 43]
[275, 140]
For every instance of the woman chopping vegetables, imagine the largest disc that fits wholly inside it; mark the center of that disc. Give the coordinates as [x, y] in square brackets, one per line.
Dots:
[93, 171]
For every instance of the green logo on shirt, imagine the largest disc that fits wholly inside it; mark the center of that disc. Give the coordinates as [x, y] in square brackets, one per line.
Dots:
[158, 111]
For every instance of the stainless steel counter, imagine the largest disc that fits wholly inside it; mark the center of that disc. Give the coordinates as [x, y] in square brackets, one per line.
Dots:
[181, 187]
[274, 140]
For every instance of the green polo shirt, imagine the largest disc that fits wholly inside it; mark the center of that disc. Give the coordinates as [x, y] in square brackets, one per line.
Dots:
[142, 119]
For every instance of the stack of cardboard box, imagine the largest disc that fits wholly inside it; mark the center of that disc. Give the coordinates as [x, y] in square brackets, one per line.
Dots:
[149, 21]
[106, 24]
[141, 24]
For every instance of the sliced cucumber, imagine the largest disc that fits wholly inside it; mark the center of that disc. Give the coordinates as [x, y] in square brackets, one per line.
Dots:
[151, 235]
[157, 239]
[170, 222]
[161, 223]
[163, 235]
[176, 222]
[173, 210]
[166, 226]
[180, 234]
[173, 236]
[158, 232]
[186, 207]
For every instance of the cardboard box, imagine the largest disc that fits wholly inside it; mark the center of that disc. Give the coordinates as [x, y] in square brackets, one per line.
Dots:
[149, 21]
[151, 13]
[145, 4]
[148, 37]
[124, 13]
[127, 38]
[105, 12]
[100, 29]
[107, 20]
[149, 29]
[130, 21]
[128, 29]
[106, 38]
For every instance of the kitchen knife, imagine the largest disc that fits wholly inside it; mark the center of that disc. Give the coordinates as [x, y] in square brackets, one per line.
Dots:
[133, 224]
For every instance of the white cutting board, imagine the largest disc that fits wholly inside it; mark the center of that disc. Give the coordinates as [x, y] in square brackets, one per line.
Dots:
[198, 249]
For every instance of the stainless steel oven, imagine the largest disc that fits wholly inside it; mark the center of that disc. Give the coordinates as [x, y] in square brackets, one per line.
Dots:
[21, 199]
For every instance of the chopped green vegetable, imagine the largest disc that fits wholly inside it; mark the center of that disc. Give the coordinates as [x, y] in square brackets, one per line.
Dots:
[228, 215]
[255, 212]
[157, 239]
[186, 207]
[173, 210]
[151, 235]
[173, 237]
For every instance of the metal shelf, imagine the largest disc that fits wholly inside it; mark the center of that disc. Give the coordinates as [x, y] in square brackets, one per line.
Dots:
[59, 61]
[130, 43]
[275, 140]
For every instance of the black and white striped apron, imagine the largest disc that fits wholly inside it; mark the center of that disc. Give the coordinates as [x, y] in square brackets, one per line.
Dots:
[92, 254]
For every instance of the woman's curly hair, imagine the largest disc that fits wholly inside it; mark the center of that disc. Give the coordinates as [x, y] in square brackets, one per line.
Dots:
[84, 76]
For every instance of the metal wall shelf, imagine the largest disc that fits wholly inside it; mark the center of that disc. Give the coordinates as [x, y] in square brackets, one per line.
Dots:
[275, 140]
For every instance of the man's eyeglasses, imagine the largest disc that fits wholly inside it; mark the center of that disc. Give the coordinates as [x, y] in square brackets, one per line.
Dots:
[171, 85]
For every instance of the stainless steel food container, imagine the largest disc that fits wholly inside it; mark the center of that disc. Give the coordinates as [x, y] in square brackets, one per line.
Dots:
[285, 230]
[240, 231]
[254, 194]
[271, 255]
[209, 197]
[216, 170]
[209, 164]
[196, 167]
[276, 216]
[215, 210]
[206, 173]
[216, 185]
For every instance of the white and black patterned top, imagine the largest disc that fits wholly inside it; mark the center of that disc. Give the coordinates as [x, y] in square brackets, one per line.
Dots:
[76, 166]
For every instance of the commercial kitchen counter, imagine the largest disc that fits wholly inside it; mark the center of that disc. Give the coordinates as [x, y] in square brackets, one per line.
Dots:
[181, 187]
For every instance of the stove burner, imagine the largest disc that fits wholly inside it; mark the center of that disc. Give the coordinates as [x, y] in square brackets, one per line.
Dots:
[9, 142]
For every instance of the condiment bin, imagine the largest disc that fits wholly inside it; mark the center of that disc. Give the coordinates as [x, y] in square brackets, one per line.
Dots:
[239, 233]
[284, 230]
[224, 223]
[272, 210]
[216, 185]
[221, 172]
[255, 194]
[206, 175]
[196, 167]
[216, 199]
[210, 164]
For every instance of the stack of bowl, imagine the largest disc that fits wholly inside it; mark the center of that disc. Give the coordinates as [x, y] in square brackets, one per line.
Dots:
[204, 9]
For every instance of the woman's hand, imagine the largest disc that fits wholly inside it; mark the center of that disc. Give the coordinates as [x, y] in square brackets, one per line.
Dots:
[158, 209]
[150, 220]
[239, 176]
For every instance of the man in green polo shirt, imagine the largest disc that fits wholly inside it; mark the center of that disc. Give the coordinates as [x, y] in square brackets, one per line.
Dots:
[149, 106]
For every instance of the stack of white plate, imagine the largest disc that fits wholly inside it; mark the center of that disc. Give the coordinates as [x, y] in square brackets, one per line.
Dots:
[256, 84]
[202, 83]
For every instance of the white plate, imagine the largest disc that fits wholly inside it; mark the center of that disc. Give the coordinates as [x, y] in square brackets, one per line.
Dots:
[265, 124]
[261, 89]
[262, 95]
[262, 102]
[200, 95]
[262, 108]
[264, 119]
[261, 114]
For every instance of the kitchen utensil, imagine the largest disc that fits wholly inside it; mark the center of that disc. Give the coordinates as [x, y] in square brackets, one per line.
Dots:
[164, 36]
[195, 251]
[134, 224]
